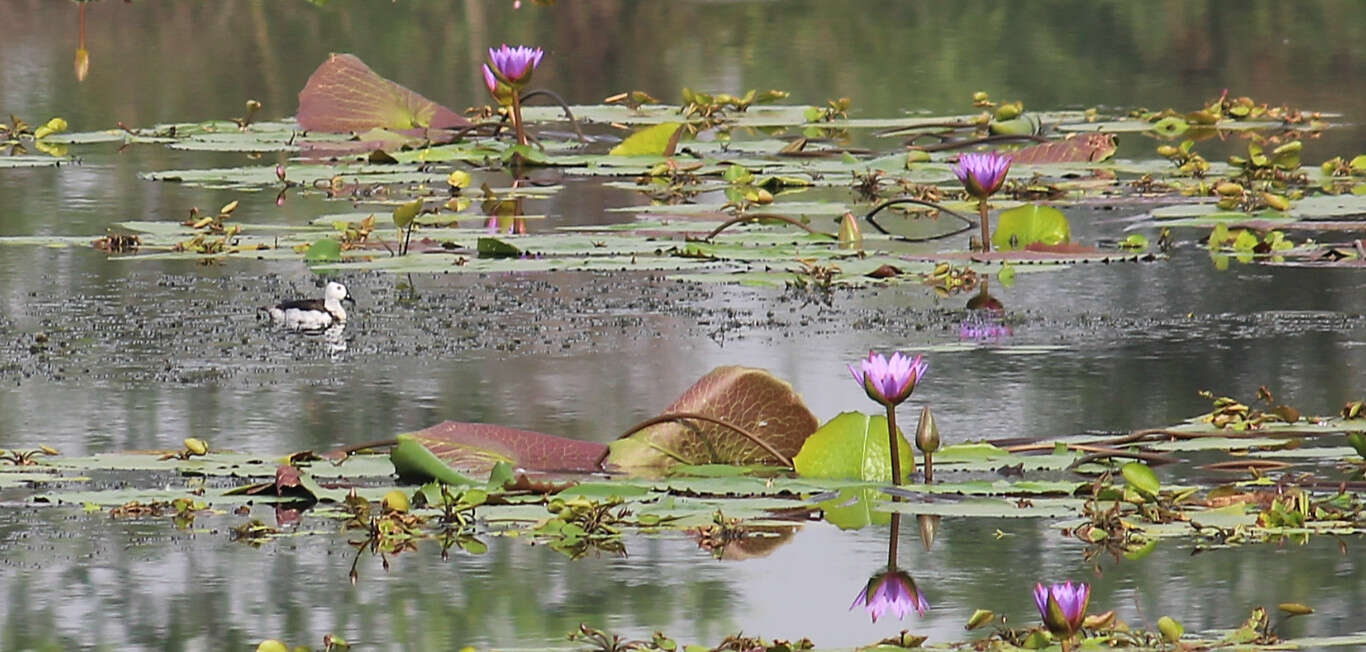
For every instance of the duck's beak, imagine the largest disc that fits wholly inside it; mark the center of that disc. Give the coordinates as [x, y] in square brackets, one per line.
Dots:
[350, 298]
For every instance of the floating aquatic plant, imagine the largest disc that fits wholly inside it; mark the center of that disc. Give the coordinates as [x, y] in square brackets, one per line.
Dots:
[889, 382]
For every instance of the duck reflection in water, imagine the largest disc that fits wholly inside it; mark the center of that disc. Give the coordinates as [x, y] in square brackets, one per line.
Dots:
[335, 338]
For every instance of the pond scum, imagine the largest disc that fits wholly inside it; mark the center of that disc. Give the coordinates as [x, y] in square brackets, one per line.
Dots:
[745, 189]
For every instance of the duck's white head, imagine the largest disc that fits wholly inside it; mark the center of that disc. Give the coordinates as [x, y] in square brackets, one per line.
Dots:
[333, 296]
[335, 292]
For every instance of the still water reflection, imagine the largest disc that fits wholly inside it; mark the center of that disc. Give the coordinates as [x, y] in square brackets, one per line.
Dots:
[142, 355]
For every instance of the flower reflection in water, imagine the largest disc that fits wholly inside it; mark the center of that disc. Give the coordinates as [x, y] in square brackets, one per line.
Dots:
[983, 327]
[892, 590]
[985, 319]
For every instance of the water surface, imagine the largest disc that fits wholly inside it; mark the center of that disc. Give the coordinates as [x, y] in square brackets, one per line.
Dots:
[145, 354]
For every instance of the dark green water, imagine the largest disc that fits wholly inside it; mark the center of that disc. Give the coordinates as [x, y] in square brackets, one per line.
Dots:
[157, 352]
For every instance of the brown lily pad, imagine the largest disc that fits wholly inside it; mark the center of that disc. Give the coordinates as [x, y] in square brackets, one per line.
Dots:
[345, 96]
[1088, 148]
[476, 447]
[752, 399]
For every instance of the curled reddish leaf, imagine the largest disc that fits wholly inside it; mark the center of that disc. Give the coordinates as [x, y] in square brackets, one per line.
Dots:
[475, 448]
[344, 95]
[286, 476]
[752, 399]
[885, 271]
[1089, 148]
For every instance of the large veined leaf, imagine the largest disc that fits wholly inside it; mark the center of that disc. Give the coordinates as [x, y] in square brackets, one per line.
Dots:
[345, 95]
[853, 446]
[476, 447]
[752, 399]
[1030, 224]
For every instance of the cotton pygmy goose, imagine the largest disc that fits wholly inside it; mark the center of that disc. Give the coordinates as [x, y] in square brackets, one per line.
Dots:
[312, 314]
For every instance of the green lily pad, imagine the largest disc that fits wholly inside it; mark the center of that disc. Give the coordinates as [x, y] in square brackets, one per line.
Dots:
[854, 446]
[655, 140]
[1029, 224]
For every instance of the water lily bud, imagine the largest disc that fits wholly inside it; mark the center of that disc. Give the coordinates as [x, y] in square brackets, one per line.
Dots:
[196, 446]
[1009, 110]
[395, 501]
[927, 432]
[980, 97]
[458, 179]
[1276, 201]
[1228, 203]
[253, 106]
[1167, 151]
[929, 526]
[272, 645]
[1171, 630]
[1228, 189]
[280, 171]
[850, 235]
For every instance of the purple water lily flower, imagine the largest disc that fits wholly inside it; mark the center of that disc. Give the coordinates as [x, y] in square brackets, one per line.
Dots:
[893, 591]
[889, 381]
[514, 64]
[1062, 606]
[982, 174]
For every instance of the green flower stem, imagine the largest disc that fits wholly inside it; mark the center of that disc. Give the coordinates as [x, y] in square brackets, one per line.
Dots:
[892, 441]
[517, 118]
[986, 225]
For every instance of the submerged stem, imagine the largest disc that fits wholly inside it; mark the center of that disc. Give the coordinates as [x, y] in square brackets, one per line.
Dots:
[908, 200]
[765, 216]
[893, 540]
